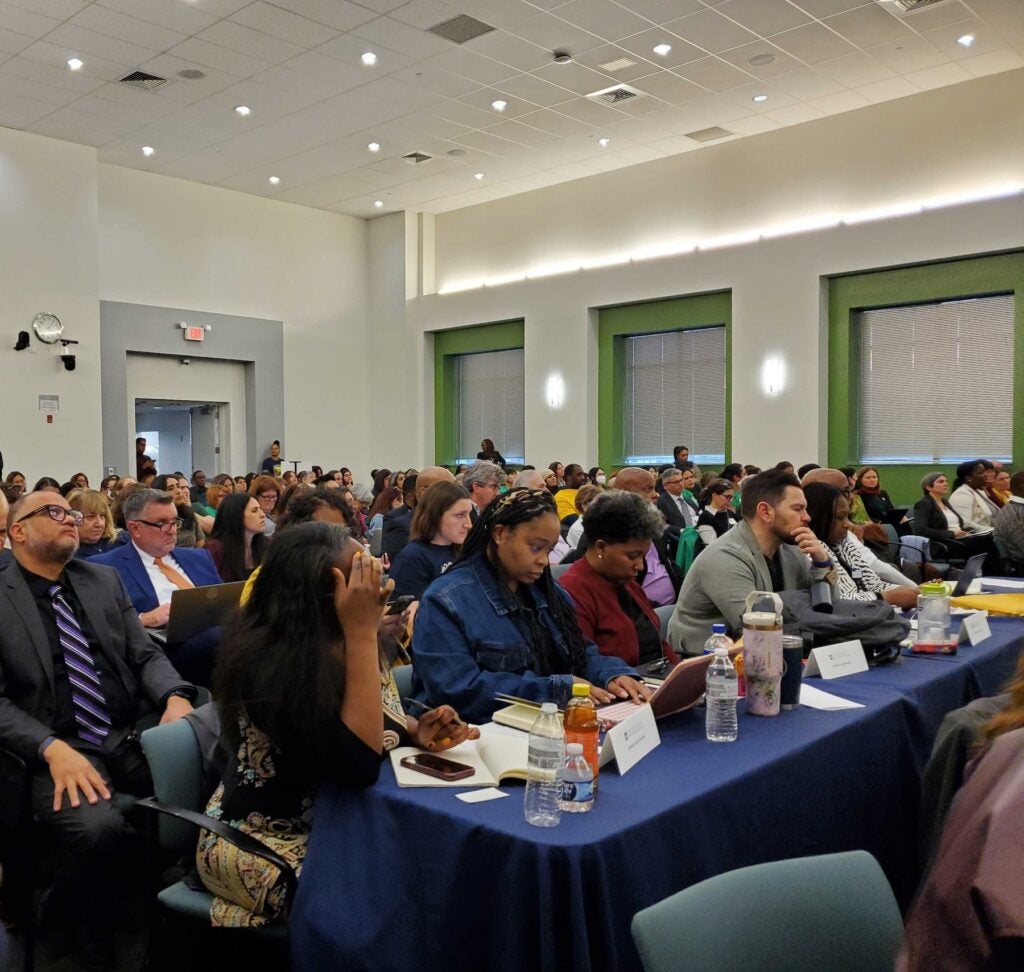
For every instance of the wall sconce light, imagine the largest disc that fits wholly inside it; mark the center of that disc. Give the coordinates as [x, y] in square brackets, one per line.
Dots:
[555, 391]
[773, 376]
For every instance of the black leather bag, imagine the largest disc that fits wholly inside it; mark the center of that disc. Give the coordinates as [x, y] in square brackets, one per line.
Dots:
[870, 622]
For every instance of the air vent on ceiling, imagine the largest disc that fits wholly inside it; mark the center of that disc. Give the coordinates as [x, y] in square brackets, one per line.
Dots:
[615, 95]
[909, 6]
[416, 158]
[139, 79]
[709, 134]
[461, 29]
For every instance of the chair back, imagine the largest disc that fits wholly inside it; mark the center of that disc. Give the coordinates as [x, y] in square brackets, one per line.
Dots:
[664, 616]
[176, 765]
[403, 679]
[558, 569]
[377, 541]
[834, 912]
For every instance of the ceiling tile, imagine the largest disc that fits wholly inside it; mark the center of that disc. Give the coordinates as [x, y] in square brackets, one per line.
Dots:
[944, 39]
[764, 16]
[339, 14]
[812, 43]
[27, 22]
[217, 57]
[88, 42]
[555, 34]
[32, 89]
[994, 63]
[573, 77]
[826, 8]
[742, 56]
[75, 82]
[482, 98]
[669, 88]
[314, 66]
[855, 70]
[381, 6]
[183, 17]
[713, 74]
[504, 13]
[643, 45]
[485, 142]
[425, 13]
[509, 49]
[662, 11]
[868, 26]
[911, 54]
[396, 36]
[283, 23]
[536, 91]
[440, 82]
[523, 134]
[941, 15]
[806, 84]
[12, 43]
[591, 112]
[887, 90]
[56, 55]
[608, 53]
[754, 125]
[711, 31]
[467, 64]
[842, 101]
[777, 97]
[57, 9]
[245, 40]
[18, 112]
[113, 23]
[553, 122]
[463, 114]
[602, 17]
[348, 49]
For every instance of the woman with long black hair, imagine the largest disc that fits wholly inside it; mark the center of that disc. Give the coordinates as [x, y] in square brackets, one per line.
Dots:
[497, 622]
[237, 541]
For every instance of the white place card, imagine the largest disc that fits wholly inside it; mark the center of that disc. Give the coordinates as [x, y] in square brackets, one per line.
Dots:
[835, 661]
[974, 628]
[816, 699]
[481, 796]
[631, 740]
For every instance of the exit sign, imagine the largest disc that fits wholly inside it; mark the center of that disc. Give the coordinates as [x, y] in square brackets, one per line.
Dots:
[195, 334]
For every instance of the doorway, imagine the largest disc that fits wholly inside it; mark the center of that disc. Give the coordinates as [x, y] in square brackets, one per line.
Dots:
[185, 436]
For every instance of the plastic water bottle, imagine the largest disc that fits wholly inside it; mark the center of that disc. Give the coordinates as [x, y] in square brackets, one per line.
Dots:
[575, 781]
[721, 699]
[546, 758]
[718, 639]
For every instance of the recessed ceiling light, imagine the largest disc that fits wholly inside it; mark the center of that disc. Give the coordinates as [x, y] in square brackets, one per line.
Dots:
[662, 50]
[244, 110]
[378, 203]
[562, 57]
[75, 64]
[604, 142]
[499, 105]
[478, 176]
[369, 59]
[374, 146]
[759, 98]
[964, 41]
[274, 180]
[148, 150]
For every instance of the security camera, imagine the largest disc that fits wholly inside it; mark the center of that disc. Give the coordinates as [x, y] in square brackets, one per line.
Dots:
[68, 359]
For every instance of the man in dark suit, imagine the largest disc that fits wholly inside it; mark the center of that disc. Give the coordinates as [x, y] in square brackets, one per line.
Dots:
[152, 569]
[679, 514]
[76, 672]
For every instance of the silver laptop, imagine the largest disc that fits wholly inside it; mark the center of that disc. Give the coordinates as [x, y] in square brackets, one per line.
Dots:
[195, 609]
[970, 573]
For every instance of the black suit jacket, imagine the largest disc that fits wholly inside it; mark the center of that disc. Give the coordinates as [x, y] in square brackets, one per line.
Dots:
[395, 531]
[673, 516]
[931, 522]
[27, 694]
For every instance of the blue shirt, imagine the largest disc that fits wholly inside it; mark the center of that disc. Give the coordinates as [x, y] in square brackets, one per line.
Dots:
[418, 564]
[470, 642]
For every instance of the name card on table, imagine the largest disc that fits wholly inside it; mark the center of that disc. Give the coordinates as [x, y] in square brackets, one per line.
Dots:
[974, 628]
[631, 740]
[835, 661]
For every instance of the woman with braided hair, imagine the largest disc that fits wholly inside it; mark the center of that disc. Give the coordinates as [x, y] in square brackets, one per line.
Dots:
[497, 622]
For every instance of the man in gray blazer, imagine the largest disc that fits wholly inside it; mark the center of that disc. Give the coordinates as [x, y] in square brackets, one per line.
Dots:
[77, 671]
[768, 551]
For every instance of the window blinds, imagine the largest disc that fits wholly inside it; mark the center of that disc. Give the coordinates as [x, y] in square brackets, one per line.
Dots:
[491, 404]
[674, 394]
[936, 381]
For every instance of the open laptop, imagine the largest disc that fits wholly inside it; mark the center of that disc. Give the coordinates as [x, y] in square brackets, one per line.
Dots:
[195, 609]
[681, 689]
[970, 573]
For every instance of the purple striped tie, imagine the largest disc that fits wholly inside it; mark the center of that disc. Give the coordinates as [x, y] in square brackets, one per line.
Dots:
[90, 704]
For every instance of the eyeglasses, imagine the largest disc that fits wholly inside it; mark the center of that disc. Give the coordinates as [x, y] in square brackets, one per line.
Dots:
[56, 513]
[267, 497]
[165, 526]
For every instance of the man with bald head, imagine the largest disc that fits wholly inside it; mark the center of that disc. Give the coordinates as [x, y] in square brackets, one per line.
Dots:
[395, 529]
[77, 671]
[886, 570]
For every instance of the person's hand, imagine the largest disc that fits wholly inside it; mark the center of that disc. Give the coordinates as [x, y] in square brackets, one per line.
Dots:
[901, 597]
[627, 687]
[359, 601]
[158, 617]
[176, 708]
[805, 539]
[72, 772]
[960, 534]
[396, 624]
[441, 728]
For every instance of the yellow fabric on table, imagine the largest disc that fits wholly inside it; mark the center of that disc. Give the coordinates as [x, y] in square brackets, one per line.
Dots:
[1000, 605]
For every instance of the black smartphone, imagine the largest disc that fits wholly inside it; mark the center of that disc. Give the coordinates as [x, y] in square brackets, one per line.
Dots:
[399, 604]
[438, 767]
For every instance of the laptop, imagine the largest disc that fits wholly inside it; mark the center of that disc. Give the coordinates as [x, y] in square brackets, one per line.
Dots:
[970, 573]
[682, 689]
[195, 609]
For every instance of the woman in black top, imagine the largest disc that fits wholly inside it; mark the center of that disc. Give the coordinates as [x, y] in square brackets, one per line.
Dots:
[718, 516]
[237, 542]
[489, 454]
[868, 487]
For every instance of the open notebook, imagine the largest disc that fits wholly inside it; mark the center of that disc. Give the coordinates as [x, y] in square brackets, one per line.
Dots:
[497, 755]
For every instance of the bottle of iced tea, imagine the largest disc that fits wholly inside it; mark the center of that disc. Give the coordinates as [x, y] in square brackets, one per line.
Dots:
[581, 725]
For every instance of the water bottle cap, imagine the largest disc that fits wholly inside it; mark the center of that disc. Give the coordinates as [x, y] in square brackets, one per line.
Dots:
[718, 629]
[579, 689]
[574, 749]
[549, 708]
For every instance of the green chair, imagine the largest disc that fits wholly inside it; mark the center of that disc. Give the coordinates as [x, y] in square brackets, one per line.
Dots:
[664, 616]
[835, 913]
[403, 679]
[175, 763]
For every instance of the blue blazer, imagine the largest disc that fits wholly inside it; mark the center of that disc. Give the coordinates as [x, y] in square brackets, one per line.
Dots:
[125, 560]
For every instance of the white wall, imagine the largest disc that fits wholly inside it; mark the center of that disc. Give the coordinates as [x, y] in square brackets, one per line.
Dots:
[48, 263]
[168, 242]
[950, 140]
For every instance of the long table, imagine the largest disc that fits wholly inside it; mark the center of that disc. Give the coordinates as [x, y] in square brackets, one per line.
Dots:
[415, 879]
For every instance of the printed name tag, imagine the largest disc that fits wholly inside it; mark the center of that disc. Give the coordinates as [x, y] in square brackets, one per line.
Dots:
[631, 740]
[835, 661]
[974, 628]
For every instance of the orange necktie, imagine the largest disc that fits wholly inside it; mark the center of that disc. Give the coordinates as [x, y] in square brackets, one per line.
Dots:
[178, 580]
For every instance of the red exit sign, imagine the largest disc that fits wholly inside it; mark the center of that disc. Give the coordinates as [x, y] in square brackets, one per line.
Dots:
[195, 334]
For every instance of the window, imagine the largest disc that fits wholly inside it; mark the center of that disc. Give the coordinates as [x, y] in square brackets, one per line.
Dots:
[674, 394]
[936, 381]
[490, 404]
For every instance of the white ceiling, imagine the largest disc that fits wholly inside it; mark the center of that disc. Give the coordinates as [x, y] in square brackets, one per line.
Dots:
[315, 107]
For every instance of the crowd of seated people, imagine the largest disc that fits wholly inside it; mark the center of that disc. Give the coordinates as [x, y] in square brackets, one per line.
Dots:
[474, 547]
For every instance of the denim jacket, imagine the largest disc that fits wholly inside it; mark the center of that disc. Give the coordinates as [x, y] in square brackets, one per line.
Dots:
[466, 647]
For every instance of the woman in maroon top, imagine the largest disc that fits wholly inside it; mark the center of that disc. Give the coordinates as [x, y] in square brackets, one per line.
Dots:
[611, 606]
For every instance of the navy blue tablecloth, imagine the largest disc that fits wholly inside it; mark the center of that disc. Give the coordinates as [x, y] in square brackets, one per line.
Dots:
[414, 878]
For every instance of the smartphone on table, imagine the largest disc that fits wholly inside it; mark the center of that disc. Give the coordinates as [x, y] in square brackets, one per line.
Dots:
[438, 767]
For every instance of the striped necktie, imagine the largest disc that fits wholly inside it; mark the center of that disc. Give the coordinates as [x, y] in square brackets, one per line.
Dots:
[87, 696]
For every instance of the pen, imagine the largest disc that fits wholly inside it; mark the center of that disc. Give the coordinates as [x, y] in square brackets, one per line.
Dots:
[426, 708]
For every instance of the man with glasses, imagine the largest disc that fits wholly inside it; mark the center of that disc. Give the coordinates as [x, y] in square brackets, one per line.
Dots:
[77, 671]
[678, 512]
[151, 574]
